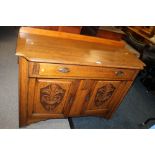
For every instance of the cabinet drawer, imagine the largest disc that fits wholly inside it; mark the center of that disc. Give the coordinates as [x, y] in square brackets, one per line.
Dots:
[46, 70]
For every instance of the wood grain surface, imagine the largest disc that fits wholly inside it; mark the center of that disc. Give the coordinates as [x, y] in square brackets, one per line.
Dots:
[54, 49]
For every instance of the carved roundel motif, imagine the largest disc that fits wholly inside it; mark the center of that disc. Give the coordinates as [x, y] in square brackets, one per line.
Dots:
[51, 96]
[103, 94]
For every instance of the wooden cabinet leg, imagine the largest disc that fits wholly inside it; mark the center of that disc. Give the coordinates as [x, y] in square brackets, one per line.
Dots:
[23, 91]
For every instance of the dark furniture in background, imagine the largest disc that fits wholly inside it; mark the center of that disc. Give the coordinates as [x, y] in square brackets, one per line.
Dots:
[107, 32]
[145, 33]
[89, 30]
[148, 56]
[139, 38]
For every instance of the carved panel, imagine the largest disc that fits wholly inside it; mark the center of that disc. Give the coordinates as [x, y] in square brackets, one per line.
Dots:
[103, 94]
[51, 96]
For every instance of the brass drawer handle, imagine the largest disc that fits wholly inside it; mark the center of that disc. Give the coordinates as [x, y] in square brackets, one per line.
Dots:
[64, 70]
[119, 73]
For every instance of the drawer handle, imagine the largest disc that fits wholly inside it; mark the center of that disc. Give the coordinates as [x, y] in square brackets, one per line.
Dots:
[64, 70]
[119, 73]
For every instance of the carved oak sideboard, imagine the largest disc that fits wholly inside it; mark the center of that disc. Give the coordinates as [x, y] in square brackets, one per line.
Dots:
[66, 75]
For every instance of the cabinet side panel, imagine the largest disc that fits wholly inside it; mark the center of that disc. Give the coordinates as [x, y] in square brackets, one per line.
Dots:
[23, 91]
[123, 90]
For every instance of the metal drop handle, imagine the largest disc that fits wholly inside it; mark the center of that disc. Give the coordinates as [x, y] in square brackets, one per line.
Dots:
[64, 70]
[119, 73]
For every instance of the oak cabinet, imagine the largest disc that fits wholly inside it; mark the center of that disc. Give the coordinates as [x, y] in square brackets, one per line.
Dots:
[68, 75]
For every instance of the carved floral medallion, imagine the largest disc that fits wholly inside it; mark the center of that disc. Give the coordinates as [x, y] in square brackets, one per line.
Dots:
[51, 96]
[103, 94]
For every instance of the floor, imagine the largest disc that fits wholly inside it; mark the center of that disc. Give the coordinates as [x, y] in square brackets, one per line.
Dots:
[9, 86]
[137, 106]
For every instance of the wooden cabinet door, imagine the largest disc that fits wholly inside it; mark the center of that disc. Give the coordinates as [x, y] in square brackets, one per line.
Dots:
[100, 99]
[52, 97]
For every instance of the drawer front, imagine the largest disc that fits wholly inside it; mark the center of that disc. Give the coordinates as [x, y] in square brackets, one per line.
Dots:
[45, 70]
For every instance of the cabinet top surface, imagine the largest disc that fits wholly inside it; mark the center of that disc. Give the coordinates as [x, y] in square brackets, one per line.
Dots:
[59, 47]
